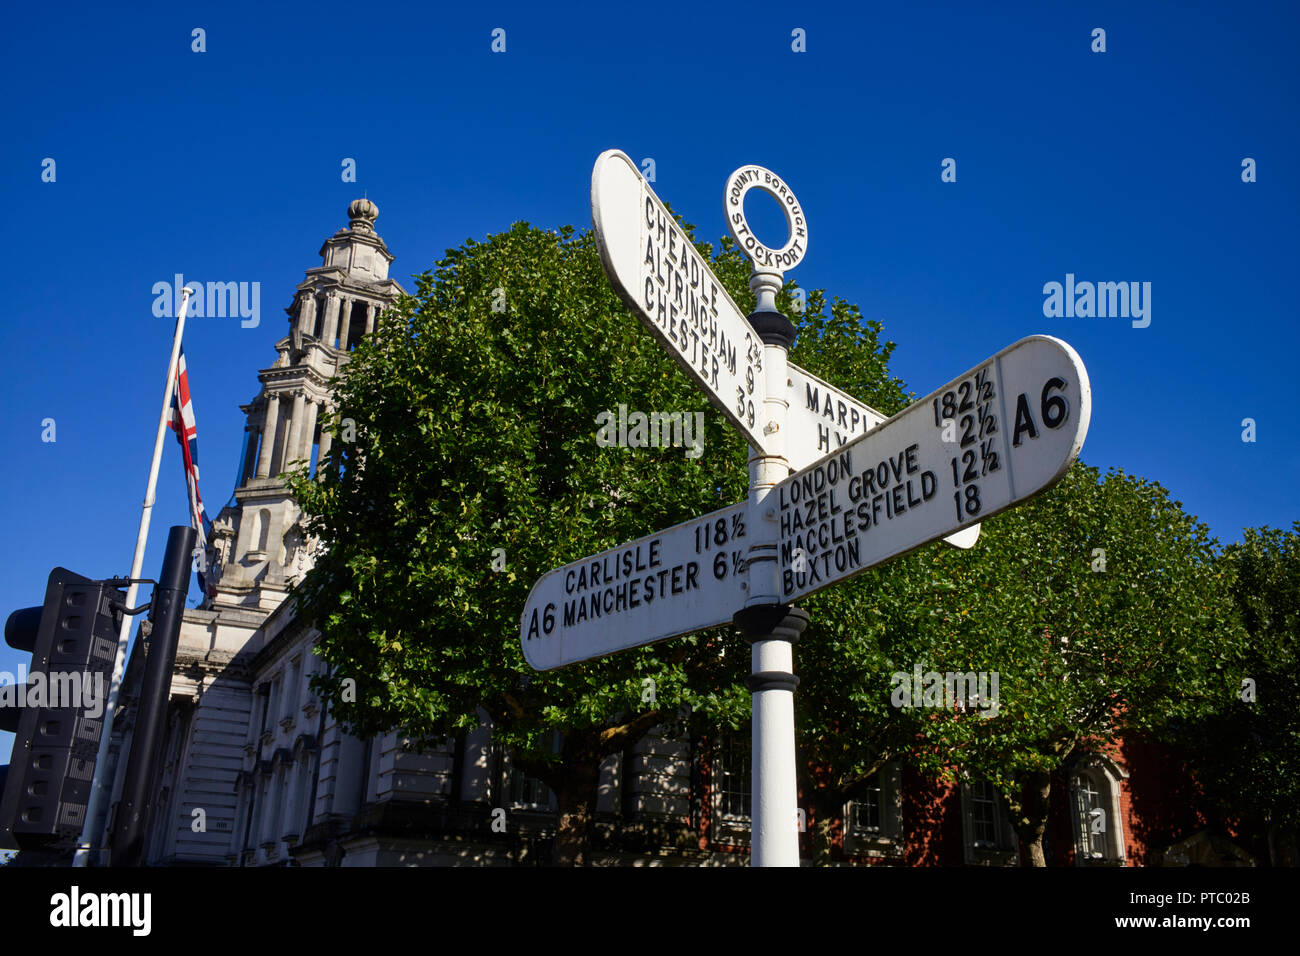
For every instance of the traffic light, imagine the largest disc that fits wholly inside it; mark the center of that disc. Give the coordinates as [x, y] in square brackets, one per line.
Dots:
[57, 714]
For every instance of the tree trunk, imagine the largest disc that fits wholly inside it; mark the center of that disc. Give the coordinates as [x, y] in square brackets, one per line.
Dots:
[575, 778]
[1035, 802]
[576, 798]
[576, 788]
[823, 806]
[1032, 852]
[823, 837]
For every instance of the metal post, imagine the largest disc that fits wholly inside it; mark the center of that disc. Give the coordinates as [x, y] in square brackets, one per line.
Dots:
[168, 608]
[100, 787]
[772, 632]
[771, 628]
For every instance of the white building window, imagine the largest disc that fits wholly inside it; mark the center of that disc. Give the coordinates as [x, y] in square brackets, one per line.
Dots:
[528, 793]
[984, 815]
[730, 786]
[311, 666]
[1094, 800]
[273, 704]
[873, 820]
[989, 838]
[865, 813]
[291, 691]
[258, 718]
[519, 790]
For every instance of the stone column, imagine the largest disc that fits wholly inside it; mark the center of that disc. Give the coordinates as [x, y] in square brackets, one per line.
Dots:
[295, 431]
[250, 452]
[307, 314]
[372, 310]
[326, 440]
[292, 777]
[345, 320]
[475, 785]
[271, 804]
[331, 317]
[263, 804]
[308, 432]
[271, 420]
[349, 774]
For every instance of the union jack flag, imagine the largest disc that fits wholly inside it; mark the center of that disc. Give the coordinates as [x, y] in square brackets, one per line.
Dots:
[182, 423]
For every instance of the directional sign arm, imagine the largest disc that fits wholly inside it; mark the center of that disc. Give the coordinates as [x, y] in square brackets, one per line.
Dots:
[822, 419]
[684, 579]
[1020, 418]
[656, 271]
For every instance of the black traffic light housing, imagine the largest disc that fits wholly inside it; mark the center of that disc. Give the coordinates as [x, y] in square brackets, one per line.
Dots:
[73, 641]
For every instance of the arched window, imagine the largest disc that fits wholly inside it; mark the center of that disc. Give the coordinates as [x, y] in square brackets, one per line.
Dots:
[357, 327]
[1094, 801]
[259, 534]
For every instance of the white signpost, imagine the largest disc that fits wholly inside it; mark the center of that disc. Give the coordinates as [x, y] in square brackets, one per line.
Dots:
[866, 489]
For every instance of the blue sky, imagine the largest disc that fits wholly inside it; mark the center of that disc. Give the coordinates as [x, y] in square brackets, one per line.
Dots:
[225, 165]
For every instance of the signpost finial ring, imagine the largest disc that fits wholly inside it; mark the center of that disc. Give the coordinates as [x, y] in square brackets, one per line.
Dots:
[765, 259]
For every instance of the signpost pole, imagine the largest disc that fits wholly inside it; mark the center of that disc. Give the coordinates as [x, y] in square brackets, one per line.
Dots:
[771, 628]
[772, 631]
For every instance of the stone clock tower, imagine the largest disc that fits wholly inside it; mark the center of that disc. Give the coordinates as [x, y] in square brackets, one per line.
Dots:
[258, 551]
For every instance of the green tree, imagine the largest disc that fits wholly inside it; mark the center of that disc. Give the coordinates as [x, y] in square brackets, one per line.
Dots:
[475, 441]
[1246, 755]
[1097, 603]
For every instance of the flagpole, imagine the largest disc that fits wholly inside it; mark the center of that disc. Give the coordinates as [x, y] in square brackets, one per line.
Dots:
[99, 787]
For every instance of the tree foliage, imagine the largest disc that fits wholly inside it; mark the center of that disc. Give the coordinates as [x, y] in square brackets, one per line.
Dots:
[475, 440]
[475, 445]
[1099, 606]
[1247, 754]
